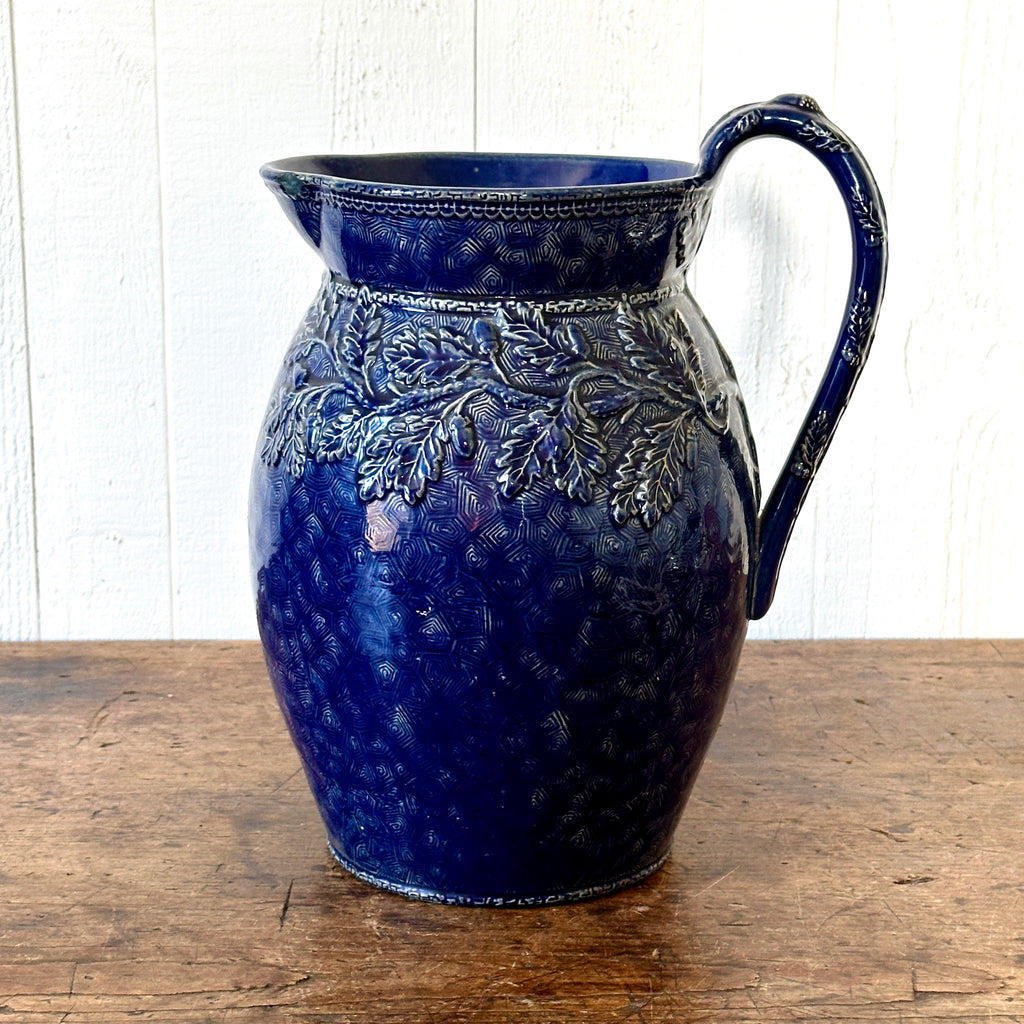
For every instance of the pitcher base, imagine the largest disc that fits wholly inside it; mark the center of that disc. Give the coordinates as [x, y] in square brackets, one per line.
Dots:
[510, 900]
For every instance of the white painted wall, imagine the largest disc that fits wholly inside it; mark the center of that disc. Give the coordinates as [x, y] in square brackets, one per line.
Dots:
[149, 283]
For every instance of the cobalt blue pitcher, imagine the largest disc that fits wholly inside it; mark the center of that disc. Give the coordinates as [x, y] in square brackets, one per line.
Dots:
[506, 524]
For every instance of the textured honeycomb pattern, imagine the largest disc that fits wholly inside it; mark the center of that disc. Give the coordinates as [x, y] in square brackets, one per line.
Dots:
[502, 520]
[501, 699]
[499, 243]
[553, 257]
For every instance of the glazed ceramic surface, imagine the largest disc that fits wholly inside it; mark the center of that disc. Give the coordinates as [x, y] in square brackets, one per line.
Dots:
[505, 511]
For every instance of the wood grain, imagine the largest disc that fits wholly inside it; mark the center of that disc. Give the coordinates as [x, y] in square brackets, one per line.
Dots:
[851, 852]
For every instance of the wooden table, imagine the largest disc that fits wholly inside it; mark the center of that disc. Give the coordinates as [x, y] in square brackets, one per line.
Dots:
[854, 850]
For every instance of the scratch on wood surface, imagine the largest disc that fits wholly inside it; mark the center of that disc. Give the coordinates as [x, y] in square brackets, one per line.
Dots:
[635, 1005]
[281, 785]
[102, 713]
[885, 903]
[287, 903]
[173, 978]
[851, 755]
[951, 979]
[714, 883]
[889, 835]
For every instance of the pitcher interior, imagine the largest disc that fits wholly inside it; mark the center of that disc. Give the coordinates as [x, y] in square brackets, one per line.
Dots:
[488, 170]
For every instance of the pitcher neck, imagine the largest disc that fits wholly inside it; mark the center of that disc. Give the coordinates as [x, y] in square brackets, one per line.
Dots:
[582, 242]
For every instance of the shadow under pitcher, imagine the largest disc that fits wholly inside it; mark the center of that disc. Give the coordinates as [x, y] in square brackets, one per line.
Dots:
[505, 519]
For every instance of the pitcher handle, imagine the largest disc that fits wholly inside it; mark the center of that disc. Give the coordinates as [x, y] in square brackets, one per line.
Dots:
[800, 119]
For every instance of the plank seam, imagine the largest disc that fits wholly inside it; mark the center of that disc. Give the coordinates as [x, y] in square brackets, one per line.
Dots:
[34, 540]
[172, 582]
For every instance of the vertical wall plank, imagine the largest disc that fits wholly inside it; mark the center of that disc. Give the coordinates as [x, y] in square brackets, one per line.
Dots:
[868, 546]
[591, 77]
[19, 605]
[90, 200]
[986, 254]
[941, 387]
[309, 77]
[764, 275]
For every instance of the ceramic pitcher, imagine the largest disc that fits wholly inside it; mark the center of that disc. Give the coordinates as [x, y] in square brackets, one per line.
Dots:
[506, 525]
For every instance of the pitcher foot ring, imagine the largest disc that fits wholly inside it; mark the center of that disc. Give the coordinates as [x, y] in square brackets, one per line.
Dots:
[428, 895]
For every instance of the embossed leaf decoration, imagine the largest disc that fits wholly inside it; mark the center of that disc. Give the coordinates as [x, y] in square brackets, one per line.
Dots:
[560, 436]
[526, 452]
[641, 331]
[812, 447]
[406, 455]
[533, 342]
[427, 355]
[867, 218]
[677, 366]
[343, 434]
[581, 458]
[285, 434]
[319, 360]
[823, 138]
[363, 330]
[608, 396]
[325, 309]
[858, 330]
[400, 405]
[650, 477]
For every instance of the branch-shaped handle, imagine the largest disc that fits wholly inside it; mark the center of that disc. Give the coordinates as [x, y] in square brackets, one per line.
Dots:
[800, 119]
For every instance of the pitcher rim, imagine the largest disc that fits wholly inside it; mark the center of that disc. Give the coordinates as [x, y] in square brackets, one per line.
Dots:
[300, 174]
